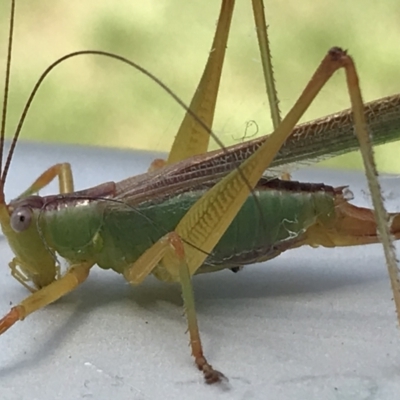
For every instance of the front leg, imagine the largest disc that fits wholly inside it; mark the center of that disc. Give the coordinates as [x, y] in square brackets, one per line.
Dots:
[76, 275]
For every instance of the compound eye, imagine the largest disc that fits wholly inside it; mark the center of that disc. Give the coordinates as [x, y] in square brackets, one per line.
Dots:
[21, 219]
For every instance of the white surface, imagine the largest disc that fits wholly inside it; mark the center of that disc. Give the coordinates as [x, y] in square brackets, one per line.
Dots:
[311, 324]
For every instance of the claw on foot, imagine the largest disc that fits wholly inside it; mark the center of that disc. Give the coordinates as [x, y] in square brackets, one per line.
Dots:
[211, 375]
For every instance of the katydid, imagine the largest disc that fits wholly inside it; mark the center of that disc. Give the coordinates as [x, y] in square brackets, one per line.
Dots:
[184, 218]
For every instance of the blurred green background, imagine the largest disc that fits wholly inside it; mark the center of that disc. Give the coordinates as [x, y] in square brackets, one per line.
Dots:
[100, 102]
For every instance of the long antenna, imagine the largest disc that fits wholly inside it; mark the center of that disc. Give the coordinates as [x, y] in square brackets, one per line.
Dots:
[6, 90]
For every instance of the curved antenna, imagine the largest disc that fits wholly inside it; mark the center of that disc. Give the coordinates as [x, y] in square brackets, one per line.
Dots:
[130, 63]
[6, 91]
[105, 54]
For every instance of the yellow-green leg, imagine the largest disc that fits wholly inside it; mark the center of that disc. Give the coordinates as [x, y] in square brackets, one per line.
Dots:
[41, 298]
[192, 138]
[61, 171]
[170, 249]
[211, 375]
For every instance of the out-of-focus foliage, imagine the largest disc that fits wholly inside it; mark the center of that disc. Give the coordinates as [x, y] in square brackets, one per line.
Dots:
[97, 101]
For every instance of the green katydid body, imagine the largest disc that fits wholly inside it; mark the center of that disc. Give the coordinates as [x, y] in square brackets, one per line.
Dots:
[114, 235]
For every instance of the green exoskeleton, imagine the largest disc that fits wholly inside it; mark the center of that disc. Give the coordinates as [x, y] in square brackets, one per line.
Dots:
[201, 212]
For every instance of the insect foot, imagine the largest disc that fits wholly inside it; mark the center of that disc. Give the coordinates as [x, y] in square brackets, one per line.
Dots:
[211, 375]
